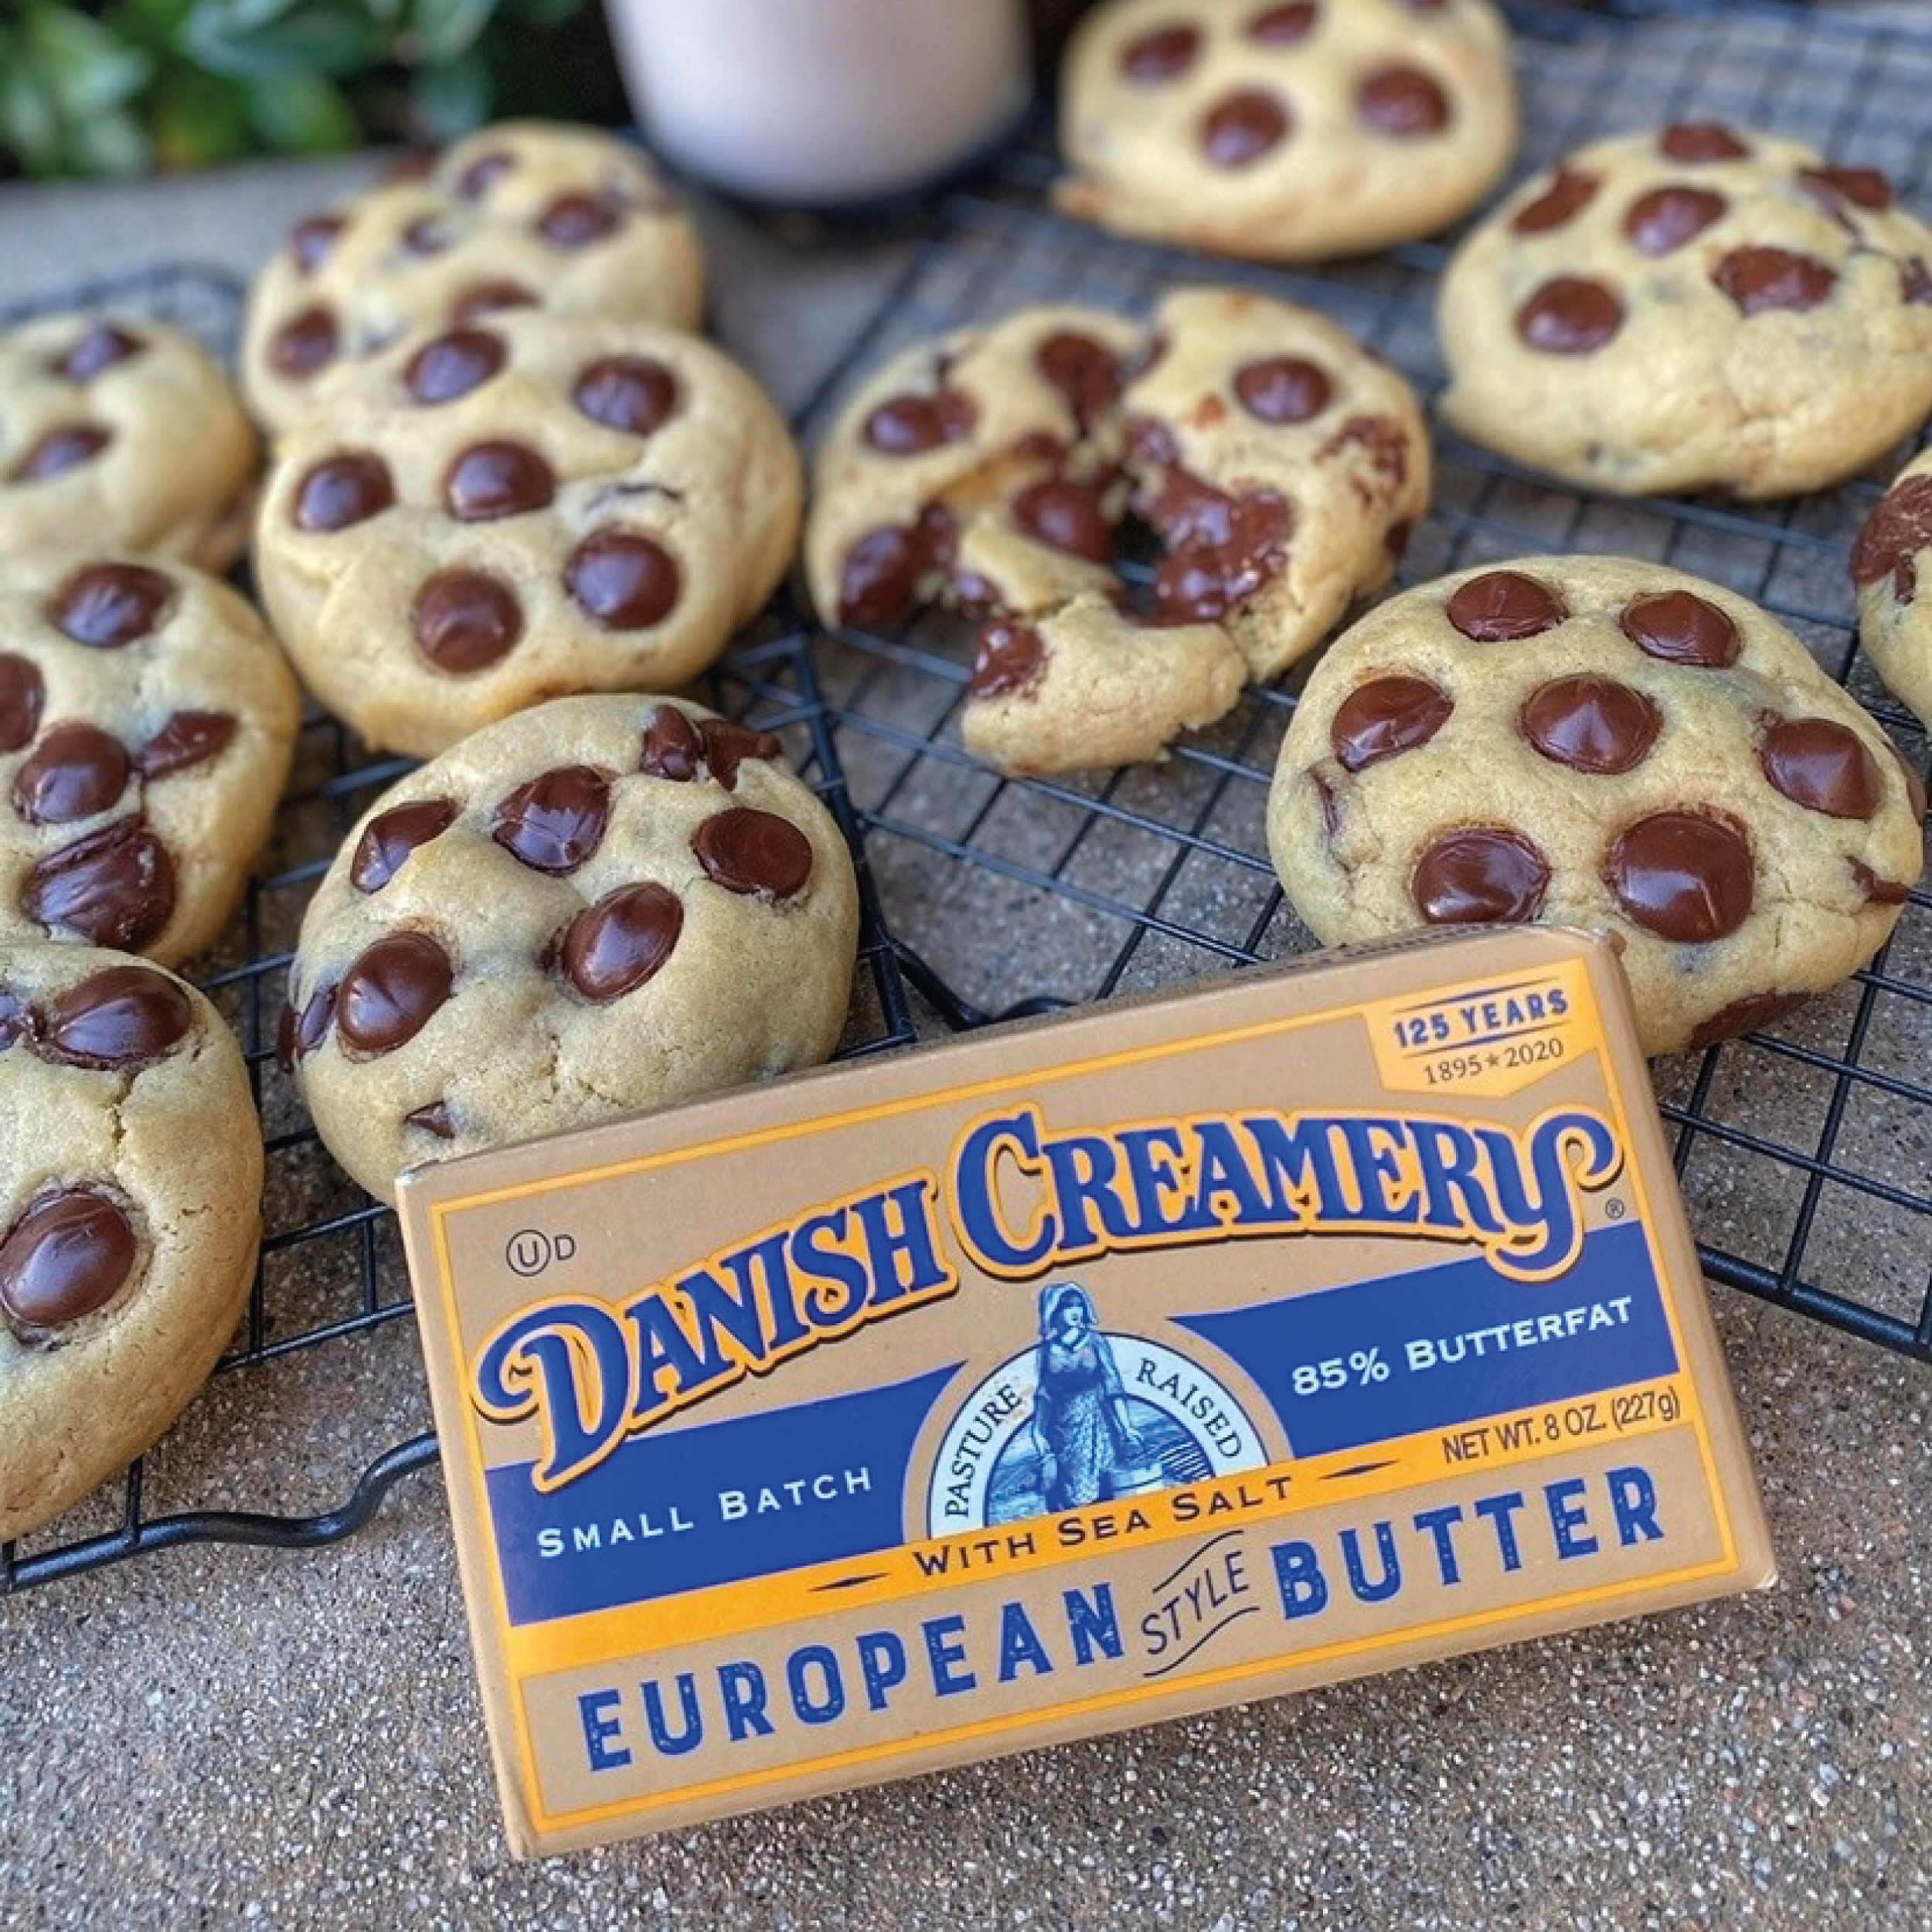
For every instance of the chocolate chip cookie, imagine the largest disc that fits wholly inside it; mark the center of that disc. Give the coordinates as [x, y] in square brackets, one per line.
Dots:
[1274, 466]
[122, 434]
[1601, 743]
[1892, 571]
[523, 215]
[146, 721]
[131, 1173]
[518, 508]
[1697, 308]
[598, 906]
[1286, 133]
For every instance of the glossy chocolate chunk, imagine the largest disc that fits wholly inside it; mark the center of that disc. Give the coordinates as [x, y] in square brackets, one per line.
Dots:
[453, 364]
[1682, 628]
[21, 695]
[1403, 101]
[1591, 724]
[65, 447]
[107, 605]
[611, 948]
[1384, 717]
[123, 1017]
[1382, 440]
[1693, 140]
[1666, 218]
[1283, 389]
[628, 392]
[17, 1021]
[115, 887]
[576, 220]
[556, 821]
[75, 771]
[391, 836]
[304, 346]
[465, 620]
[427, 234]
[1504, 607]
[189, 738]
[298, 1035]
[69, 1255]
[483, 173]
[1878, 891]
[910, 425]
[435, 1118]
[1570, 192]
[1893, 535]
[1762, 280]
[311, 241]
[1066, 516]
[1480, 873]
[1239, 129]
[684, 749]
[1222, 548]
[751, 851]
[1686, 876]
[1749, 1016]
[99, 348]
[1822, 766]
[1009, 658]
[878, 582]
[391, 992]
[1282, 26]
[1862, 187]
[622, 579]
[1570, 315]
[490, 298]
[492, 480]
[1161, 54]
[342, 490]
[1085, 372]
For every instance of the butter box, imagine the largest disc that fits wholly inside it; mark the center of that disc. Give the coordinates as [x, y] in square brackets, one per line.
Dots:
[1070, 1377]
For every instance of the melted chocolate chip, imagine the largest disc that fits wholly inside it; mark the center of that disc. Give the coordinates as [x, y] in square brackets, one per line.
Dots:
[115, 887]
[1666, 218]
[493, 480]
[1386, 443]
[1682, 628]
[1692, 140]
[341, 491]
[1570, 315]
[1570, 192]
[123, 1017]
[187, 738]
[391, 992]
[297, 1035]
[99, 349]
[576, 220]
[1479, 874]
[1282, 26]
[622, 579]
[68, 1256]
[751, 851]
[1161, 54]
[910, 425]
[311, 241]
[108, 605]
[1283, 389]
[1915, 281]
[304, 346]
[878, 582]
[435, 1118]
[465, 620]
[1222, 548]
[1748, 1015]
[1863, 187]
[1824, 766]
[391, 836]
[613, 947]
[627, 392]
[1591, 724]
[1401, 101]
[1893, 535]
[426, 235]
[75, 771]
[16, 1019]
[1505, 607]
[64, 447]
[1880, 892]
[1084, 371]
[21, 695]
[482, 174]
[490, 298]
[1387, 716]
[452, 365]
[1684, 875]
[1239, 129]
[1010, 658]
[1330, 806]
[684, 749]
[1760, 280]
[1066, 516]
[557, 820]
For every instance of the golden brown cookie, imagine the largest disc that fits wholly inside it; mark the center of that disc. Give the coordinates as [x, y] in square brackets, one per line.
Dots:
[1891, 572]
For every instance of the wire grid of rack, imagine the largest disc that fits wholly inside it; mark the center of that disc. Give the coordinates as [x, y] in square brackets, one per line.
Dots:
[1805, 1152]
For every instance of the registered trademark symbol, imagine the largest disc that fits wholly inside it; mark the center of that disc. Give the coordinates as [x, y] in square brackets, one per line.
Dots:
[1613, 1210]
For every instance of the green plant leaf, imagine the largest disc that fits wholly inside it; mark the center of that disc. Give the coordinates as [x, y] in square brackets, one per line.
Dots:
[546, 13]
[332, 37]
[110, 144]
[302, 114]
[451, 99]
[87, 68]
[439, 30]
[198, 118]
[28, 127]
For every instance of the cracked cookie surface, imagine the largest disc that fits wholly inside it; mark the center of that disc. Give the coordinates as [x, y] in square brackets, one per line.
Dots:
[130, 1170]
[528, 507]
[1699, 307]
[598, 906]
[1892, 573]
[1599, 742]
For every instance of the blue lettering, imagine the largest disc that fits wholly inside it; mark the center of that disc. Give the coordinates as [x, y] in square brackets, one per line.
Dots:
[692, 1734]
[1437, 1523]
[903, 1257]
[599, 1729]
[1501, 1510]
[1092, 1625]
[1019, 1644]
[882, 1663]
[946, 1655]
[531, 1367]
[742, 1688]
[1297, 1573]
[1389, 1581]
[1568, 1519]
[1632, 1496]
[976, 1190]
[1156, 1167]
[830, 1700]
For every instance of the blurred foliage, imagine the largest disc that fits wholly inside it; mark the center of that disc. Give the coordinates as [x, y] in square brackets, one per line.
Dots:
[120, 87]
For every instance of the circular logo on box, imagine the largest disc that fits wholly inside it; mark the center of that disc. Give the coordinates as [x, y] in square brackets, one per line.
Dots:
[1085, 1415]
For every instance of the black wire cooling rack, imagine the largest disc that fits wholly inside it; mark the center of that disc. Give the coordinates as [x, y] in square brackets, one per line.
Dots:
[1805, 1152]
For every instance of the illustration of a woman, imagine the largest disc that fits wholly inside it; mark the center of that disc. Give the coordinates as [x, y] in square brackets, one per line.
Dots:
[1080, 1426]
